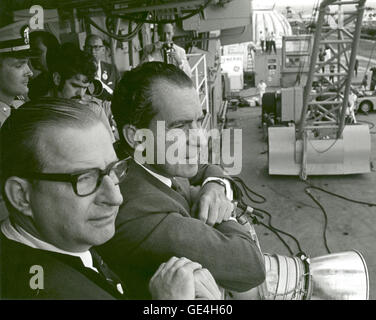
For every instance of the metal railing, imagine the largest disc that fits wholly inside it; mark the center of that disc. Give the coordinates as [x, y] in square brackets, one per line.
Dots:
[200, 79]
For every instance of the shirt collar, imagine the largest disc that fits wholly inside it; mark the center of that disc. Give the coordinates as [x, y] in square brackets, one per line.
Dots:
[18, 234]
[99, 71]
[161, 178]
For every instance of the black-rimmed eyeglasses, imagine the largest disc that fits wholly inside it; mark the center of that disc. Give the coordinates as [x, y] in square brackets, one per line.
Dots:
[85, 182]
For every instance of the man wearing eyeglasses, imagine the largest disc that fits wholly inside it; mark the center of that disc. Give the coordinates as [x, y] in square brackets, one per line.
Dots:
[60, 178]
[106, 73]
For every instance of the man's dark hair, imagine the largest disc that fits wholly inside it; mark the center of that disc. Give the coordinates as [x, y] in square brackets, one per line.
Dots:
[132, 99]
[70, 61]
[19, 134]
[49, 40]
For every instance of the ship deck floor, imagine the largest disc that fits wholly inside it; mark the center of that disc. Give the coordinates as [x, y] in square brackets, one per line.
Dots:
[350, 225]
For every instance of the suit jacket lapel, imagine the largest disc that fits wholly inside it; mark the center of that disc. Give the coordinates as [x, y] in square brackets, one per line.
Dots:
[160, 185]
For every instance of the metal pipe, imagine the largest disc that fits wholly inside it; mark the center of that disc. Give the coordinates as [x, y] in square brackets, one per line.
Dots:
[315, 51]
[352, 65]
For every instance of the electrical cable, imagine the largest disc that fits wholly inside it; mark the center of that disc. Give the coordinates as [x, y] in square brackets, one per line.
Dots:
[271, 227]
[123, 38]
[247, 215]
[278, 236]
[247, 189]
[253, 213]
[308, 192]
[143, 20]
[340, 196]
[325, 150]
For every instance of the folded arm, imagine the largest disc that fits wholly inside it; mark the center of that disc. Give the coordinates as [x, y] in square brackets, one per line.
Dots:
[226, 250]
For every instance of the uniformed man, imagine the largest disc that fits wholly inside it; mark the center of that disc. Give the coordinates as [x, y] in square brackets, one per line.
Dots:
[14, 69]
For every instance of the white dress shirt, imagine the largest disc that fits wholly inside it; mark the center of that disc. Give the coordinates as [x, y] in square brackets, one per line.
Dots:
[167, 181]
[18, 234]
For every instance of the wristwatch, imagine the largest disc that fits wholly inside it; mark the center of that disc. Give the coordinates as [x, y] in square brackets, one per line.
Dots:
[224, 183]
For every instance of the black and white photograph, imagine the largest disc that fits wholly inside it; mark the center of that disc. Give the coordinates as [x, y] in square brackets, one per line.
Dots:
[201, 151]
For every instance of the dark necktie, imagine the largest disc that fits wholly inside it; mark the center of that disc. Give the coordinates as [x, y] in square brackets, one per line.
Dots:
[176, 186]
[111, 278]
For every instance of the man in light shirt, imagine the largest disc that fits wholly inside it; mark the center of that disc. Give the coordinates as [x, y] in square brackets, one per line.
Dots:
[267, 41]
[261, 88]
[165, 50]
[262, 41]
[60, 177]
[350, 110]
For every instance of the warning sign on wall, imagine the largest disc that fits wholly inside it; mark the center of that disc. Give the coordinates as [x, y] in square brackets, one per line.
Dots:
[233, 66]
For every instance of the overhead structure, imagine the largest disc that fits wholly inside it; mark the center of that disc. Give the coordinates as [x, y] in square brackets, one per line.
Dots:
[320, 142]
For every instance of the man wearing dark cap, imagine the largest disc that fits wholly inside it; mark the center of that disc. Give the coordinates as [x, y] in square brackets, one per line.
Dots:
[14, 70]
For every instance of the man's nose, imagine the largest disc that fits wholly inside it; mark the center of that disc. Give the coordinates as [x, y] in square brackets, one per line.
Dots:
[109, 193]
[81, 92]
[28, 72]
[197, 137]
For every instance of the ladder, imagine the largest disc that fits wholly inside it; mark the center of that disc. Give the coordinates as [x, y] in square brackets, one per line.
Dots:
[343, 41]
[250, 61]
[200, 81]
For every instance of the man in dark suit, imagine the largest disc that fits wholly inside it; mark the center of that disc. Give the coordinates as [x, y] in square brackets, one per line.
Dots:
[60, 177]
[173, 207]
[107, 73]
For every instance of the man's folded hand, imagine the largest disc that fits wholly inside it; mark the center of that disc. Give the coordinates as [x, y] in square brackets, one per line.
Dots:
[174, 280]
[212, 206]
[205, 286]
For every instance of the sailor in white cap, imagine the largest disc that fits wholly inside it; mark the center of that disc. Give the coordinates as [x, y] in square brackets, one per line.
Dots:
[14, 69]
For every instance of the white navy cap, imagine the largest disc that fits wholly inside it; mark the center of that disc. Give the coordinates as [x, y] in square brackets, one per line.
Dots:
[14, 40]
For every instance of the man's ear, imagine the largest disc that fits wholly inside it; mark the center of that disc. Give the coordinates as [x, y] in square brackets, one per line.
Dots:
[17, 191]
[129, 133]
[56, 78]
